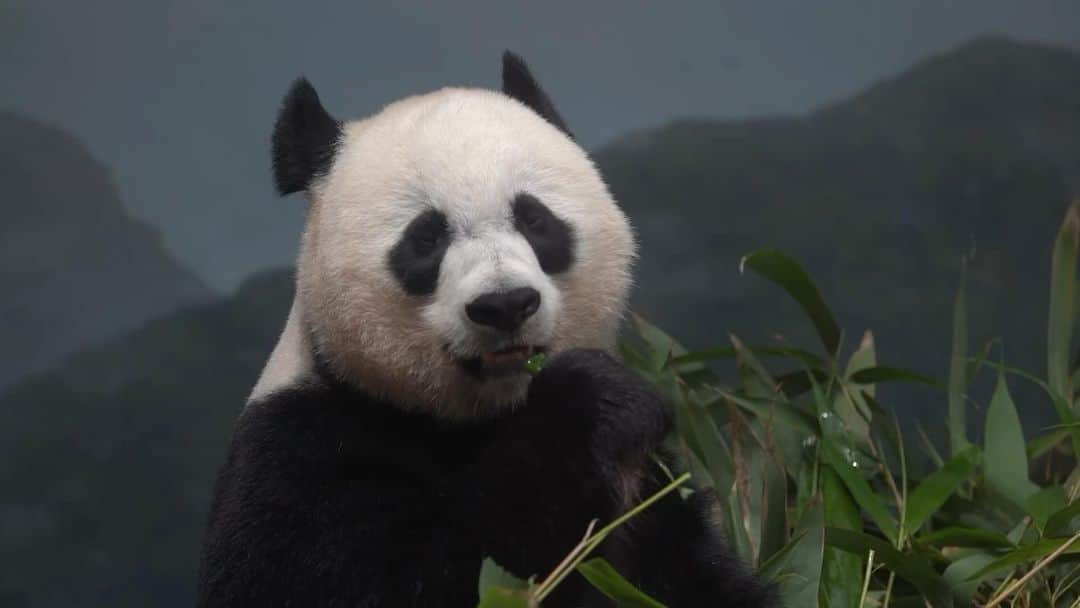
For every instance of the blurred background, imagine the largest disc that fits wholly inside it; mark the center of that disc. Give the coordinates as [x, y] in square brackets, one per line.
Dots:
[146, 263]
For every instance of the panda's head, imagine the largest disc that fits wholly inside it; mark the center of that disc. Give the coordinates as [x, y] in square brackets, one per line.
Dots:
[450, 236]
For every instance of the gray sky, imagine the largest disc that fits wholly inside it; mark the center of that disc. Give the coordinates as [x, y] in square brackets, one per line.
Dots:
[178, 97]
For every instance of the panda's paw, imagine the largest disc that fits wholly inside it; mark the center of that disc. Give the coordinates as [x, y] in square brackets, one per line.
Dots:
[626, 415]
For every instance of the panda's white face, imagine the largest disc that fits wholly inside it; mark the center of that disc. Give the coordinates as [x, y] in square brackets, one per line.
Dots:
[452, 236]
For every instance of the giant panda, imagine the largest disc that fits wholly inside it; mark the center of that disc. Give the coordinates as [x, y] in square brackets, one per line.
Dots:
[394, 439]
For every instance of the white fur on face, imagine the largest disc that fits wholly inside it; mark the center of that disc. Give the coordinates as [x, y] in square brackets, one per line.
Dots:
[466, 153]
[496, 259]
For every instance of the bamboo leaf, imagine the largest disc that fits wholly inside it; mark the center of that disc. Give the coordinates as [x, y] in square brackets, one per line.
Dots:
[784, 413]
[793, 384]
[958, 377]
[497, 597]
[498, 588]
[701, 435]
[841, 571]
[957, 536]
[661, 345]
[1063, 303]
[1026, 554]
[1060, 523]
[1044, 503]
[876, 375]
[774, 509]
[861, 491]
[936, 488]
[912, 568]
[783, 270]
[729, 352]
[865, 357]
[604, 577]
[494, 575]
[959, 576]
[800, 580]
[1005, 457]
[1043, 443]
[771, 568]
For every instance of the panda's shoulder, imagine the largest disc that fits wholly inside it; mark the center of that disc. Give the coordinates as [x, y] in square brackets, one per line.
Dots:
[287, 411]
[302, 426]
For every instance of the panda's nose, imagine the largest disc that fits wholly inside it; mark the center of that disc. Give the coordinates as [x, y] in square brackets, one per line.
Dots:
[505, 311]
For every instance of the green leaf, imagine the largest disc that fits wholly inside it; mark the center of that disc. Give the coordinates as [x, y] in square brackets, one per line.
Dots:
[612, 584]
[494, 575]
[1043, 443]
[861, 491]
[784, 413]
[957, 536]
[498, 588]
[704, 438]
[1064, 411]
[1060, 523]
[729, 352]
[1063, 302]
[737, 534]
[876, 375]
[800, 580]
[958, 377]
[912, 568]
[497, 597]
[771, 568]
[774, 509]
[1005, 457]
[796, 383]
[783, 270]
[661, 345]
[937, 487]
[865, 357]
[959, 576]
[928, 446]
[1044, 503]
[1026, 555]
[842, 572]
[756, 379]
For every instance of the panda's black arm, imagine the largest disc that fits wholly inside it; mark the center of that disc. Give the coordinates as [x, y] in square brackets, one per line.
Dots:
[571, 455]
[679, 558]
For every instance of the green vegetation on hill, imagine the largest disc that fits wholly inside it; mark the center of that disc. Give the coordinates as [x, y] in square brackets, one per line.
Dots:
[107, 461]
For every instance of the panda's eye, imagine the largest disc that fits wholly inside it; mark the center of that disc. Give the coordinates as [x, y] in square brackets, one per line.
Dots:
[416, 257]
[425, 244]
[428, 233]
[550, 237]
[534, 222]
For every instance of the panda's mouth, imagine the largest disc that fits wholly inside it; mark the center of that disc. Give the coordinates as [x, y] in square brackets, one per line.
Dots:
[502, 362]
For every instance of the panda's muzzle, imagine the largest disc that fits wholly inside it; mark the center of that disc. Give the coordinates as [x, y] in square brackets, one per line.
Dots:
[502, 362]
[504, 311]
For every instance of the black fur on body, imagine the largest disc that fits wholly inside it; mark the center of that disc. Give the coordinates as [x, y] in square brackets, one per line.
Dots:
[331, 498]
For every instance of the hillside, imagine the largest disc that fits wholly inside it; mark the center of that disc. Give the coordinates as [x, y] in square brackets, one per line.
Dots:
[976, 151]
[76, 267]
[107, 460]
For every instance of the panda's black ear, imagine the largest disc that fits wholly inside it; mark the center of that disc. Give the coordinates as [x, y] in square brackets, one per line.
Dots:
[518, 82]
[305, 139]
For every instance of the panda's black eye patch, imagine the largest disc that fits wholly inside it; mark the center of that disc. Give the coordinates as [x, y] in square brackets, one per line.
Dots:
[551, 238]
[416, 257]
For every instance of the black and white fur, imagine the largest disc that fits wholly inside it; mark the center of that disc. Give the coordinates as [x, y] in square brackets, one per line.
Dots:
[385, 450]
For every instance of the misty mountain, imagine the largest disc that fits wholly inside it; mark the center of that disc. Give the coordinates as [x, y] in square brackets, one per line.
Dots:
[75, 266]
[108, 459]
[971, 154]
